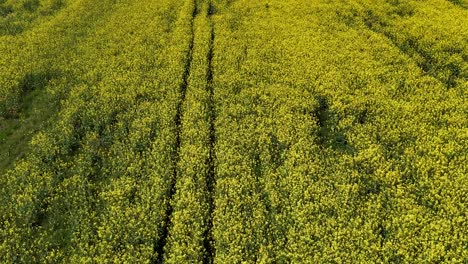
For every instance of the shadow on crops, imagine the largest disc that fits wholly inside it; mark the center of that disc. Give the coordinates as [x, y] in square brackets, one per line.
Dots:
[329, 135]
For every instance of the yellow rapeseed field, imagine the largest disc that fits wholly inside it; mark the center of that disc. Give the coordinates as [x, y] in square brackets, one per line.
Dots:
[234, 131]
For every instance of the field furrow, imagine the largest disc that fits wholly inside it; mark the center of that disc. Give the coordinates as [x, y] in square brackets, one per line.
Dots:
[190, 233]
[161, 244]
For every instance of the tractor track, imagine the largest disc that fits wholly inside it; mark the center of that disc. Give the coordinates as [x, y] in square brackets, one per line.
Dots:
[159, 246]
[210, 181]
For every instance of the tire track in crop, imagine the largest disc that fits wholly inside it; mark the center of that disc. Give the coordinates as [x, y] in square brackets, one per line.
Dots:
[210, 181]
[161, 242]
[375, 25]
[459, 3]
[411, 49]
